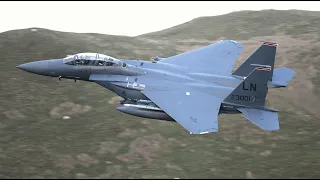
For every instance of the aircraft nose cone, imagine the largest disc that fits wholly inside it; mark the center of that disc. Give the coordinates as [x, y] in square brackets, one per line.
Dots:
[37, 67]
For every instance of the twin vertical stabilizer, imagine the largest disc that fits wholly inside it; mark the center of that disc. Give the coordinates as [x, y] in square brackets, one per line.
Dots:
[265, 56]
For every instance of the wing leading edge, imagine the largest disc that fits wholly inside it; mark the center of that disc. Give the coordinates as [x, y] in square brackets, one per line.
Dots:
[195, 111]
[217, 58]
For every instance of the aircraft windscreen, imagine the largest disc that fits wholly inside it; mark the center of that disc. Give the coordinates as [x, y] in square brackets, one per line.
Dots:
[93, 59]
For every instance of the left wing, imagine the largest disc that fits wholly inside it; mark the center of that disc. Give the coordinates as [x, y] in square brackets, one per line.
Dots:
[195, 111]
[217, 58]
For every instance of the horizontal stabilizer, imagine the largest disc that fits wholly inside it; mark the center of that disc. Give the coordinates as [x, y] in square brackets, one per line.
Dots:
[266, 120]
[282, 76]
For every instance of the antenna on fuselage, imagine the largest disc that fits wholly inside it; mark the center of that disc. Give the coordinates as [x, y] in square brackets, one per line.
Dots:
[155, 58]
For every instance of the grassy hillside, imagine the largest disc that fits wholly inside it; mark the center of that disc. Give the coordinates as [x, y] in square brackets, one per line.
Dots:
[36, 141]
[243, 25]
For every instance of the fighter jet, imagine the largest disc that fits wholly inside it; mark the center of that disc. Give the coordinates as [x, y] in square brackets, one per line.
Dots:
[191, 88]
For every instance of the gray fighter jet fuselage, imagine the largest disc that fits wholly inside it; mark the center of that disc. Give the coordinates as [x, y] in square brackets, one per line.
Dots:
[130, 78]
[123, 79]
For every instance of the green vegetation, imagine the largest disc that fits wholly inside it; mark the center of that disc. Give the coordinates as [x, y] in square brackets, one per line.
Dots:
[97, 141]
[243, 25]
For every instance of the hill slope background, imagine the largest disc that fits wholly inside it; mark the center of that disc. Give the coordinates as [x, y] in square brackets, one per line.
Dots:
[100, 142]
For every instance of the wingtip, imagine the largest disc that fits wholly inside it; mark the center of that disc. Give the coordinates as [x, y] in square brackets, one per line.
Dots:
[269, 43]
[237, 44]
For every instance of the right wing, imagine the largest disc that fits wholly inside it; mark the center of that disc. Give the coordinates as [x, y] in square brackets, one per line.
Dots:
[217, 58]
[195, 111]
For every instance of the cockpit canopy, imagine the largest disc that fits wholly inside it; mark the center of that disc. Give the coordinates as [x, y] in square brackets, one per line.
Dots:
[92, 59]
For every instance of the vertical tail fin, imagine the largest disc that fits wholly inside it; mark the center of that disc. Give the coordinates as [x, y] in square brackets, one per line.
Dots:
[252, 91]
[264, 55]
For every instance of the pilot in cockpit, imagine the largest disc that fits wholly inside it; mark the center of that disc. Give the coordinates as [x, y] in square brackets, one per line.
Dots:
[92, 59]
[101, 63]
